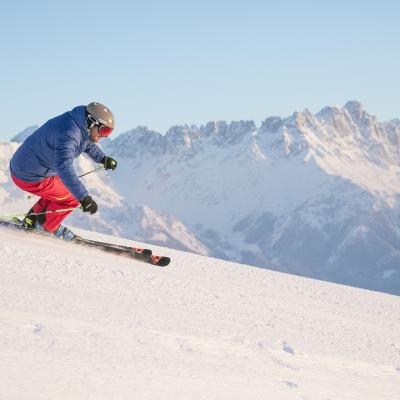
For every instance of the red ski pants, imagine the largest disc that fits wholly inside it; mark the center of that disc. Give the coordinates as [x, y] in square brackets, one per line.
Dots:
[53, 196]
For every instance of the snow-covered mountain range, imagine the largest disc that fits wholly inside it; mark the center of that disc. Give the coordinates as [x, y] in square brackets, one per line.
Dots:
[316, 195]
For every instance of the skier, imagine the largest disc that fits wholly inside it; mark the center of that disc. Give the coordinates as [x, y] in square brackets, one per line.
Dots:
[42, 165]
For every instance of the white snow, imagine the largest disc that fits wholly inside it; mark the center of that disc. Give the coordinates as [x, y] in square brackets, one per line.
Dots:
[77, 323]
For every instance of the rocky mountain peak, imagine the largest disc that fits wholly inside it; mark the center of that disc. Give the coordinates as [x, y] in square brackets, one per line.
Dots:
[355, 109]
[138, 140]
[20, 137]
[271, 124]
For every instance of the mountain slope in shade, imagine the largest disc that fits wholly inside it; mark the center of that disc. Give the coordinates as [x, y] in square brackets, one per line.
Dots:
[80, 323]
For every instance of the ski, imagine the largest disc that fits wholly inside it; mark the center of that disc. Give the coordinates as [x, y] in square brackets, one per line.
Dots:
[137, 251]
[140, 254]
[145, 255]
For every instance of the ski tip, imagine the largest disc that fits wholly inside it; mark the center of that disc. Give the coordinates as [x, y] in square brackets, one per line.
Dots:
[160, 261]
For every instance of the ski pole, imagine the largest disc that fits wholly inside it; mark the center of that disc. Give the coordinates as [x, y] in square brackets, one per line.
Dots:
[41, 213]
[96, 169]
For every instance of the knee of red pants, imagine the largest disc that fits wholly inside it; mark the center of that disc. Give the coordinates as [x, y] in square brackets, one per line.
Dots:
[71, 201]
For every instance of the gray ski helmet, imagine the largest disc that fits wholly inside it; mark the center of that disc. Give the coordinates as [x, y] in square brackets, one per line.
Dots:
[102, 114]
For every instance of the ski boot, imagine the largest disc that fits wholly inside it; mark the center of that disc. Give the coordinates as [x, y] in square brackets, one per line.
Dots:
[33, 225]
[64, 233]
[29, 222]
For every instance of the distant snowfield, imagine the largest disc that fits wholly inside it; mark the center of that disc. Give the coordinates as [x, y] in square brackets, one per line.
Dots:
[77, 323]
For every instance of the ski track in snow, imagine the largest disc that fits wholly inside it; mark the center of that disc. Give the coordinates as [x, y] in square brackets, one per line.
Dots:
[78, 323]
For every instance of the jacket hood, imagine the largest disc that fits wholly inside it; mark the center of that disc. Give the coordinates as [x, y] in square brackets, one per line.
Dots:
[79, 116]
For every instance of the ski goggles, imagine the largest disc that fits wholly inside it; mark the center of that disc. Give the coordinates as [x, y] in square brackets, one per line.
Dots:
[104, 130]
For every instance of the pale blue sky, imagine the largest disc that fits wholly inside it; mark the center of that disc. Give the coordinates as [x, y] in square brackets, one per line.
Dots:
[163, 63]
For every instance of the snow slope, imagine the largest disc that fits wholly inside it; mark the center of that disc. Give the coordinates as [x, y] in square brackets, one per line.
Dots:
[77, 323]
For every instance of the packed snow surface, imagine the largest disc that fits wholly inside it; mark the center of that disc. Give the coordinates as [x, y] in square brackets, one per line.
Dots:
[78, 323]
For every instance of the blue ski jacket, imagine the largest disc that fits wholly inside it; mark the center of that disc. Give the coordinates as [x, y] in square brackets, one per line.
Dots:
[51, 149]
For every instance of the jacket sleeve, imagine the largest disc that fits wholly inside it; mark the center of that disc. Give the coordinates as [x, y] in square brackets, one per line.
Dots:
[66, 146]
[94, 152]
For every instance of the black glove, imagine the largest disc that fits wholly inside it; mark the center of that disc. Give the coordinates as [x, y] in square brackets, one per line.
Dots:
[109, 163]
[88, 205]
